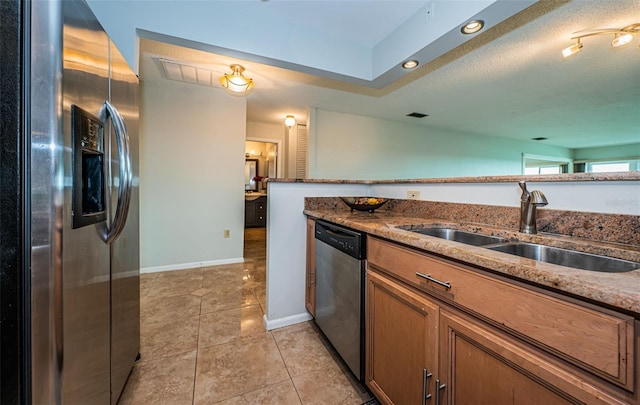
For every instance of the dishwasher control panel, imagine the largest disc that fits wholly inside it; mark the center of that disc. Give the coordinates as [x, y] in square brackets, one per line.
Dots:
[344, 239]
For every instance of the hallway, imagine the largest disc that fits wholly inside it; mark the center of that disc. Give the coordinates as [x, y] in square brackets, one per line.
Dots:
[203, 342]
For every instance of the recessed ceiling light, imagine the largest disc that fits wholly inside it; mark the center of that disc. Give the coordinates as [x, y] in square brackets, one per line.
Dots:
[410, 64]
[472, 27]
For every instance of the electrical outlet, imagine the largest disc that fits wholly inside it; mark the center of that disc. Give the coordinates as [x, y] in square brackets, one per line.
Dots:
[413, 195]
[227, 233]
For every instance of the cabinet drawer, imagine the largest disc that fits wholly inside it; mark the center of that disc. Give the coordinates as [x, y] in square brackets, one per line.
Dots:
[600, 342]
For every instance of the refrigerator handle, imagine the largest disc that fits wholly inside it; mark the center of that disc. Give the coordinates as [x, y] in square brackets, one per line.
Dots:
[111, 232]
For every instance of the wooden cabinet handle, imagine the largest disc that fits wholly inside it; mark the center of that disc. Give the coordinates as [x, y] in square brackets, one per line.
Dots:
[438, 388]
[425, 376]
[428, 277]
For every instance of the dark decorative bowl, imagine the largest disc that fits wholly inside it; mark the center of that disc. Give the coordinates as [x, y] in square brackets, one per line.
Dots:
[362, 203]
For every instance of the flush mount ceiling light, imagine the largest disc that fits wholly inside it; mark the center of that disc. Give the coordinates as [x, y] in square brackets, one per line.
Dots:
[621, 36]
[472, 27]
[410, 64]
[235, 82]
[289, 121]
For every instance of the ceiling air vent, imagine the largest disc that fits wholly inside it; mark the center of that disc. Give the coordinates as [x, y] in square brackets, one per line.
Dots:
[189, 73]
[417, 115]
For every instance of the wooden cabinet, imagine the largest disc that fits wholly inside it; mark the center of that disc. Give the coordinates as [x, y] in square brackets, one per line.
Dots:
[492, 340]
[310, 278]
[401, 341]
[479, 365]
[255, 213]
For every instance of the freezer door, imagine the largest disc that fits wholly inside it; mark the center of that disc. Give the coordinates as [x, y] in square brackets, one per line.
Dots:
[85, 257]
[125, 256]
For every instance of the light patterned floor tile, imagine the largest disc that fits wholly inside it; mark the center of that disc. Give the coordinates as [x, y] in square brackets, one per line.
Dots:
[225, 326]
[166, 338]
[329, 386]
[236, 368]
[168, 380]
[277, 394]
[202, 333]
[164, 309]
[302, 349]
[177, 282]
[224, 297]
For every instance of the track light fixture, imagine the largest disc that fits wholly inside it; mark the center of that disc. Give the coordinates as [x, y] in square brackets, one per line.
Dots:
[621, 36]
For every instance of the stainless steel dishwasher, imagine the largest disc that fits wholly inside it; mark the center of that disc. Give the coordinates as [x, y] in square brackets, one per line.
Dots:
[340, 276]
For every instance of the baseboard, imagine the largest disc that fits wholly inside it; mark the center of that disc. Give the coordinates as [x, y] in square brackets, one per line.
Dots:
[270, 324]
[194, 265]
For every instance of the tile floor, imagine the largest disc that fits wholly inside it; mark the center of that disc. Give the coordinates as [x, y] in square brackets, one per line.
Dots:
[203, 342]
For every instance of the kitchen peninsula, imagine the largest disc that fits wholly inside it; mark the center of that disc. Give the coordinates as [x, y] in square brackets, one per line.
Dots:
[616, 194]
[464, 323]
[521, 316]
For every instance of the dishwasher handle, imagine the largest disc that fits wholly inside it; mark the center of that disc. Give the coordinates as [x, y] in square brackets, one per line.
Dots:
[340, 234]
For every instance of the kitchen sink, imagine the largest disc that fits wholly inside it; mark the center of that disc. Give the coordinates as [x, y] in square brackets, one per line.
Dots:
[564, 257]
[456, 235]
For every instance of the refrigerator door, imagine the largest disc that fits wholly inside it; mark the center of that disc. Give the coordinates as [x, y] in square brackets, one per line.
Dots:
[85, 257]
[46, 197]
[125, 256]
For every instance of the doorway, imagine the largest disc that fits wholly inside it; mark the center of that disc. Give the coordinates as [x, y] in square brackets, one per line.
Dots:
[266, 154]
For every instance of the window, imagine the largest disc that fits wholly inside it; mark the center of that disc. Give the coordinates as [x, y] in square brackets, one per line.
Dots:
[543, 170]
[609, 167]
[538, 164]
[613, 166]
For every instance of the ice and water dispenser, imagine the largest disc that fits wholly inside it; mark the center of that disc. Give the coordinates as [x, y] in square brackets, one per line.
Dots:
[88, 206]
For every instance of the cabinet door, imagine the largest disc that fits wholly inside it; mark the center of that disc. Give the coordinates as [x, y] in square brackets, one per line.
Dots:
[249, 213]
[310, 290]
[479, 366]
[261, 205]
[401, 342]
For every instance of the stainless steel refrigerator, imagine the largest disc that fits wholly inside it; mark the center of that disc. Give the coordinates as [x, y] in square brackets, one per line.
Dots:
[70, 283]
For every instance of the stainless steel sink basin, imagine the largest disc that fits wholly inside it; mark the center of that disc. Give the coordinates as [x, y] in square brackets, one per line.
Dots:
[456, 235]
[569, 258]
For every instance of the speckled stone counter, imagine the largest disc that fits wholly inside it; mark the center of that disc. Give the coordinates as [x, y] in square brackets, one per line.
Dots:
[588, 177]
[610, 235]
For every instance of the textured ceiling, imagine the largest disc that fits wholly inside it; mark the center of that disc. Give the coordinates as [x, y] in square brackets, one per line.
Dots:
[510, 81]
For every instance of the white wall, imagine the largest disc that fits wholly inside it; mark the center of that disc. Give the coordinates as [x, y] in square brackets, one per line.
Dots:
[290, 152]
[286, 228]
[609, 197]
[346, 146]
[286, 248]
[608, 152]
[269, 132]
[191, 175]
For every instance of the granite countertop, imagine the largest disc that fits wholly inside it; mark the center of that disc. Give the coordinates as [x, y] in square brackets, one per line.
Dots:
[573, 177]
[616, 290]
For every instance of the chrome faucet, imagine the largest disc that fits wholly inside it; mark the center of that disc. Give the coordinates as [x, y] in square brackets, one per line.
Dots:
[528, 203]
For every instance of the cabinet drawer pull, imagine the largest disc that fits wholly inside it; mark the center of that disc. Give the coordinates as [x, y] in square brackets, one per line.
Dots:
[425, 396]
[438, 388]
[428, 277]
